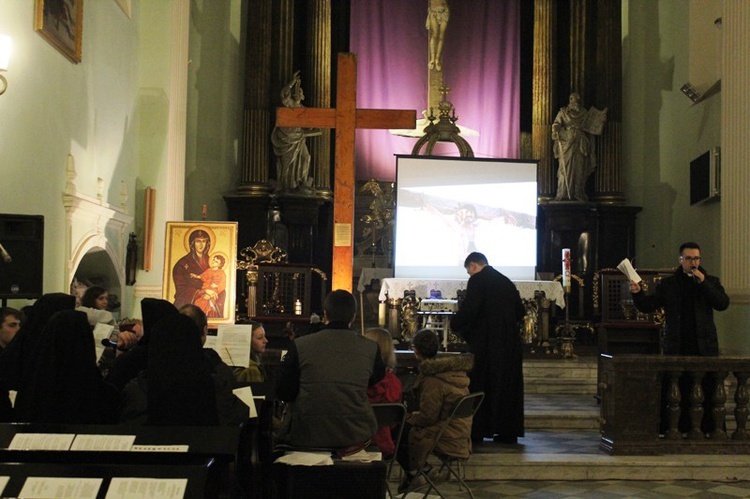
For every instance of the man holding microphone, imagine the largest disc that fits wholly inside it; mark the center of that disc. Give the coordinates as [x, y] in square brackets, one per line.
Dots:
[689, 297]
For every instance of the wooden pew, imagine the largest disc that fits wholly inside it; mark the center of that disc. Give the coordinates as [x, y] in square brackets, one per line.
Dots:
[207, 462]
[196, 475]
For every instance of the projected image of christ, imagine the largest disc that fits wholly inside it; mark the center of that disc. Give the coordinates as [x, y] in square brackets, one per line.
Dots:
[456, 224]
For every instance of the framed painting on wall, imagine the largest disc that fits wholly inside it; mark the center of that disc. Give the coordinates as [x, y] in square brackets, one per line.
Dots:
[60, 22]
[200, 267]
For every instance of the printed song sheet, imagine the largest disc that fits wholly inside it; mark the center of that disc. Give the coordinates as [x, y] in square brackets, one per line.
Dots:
[153, 488]
[41, 441]
[232, 343]
[627, 268]
[38, 487]
[121, 443]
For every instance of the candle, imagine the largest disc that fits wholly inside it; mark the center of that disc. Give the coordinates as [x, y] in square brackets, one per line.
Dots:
[381, 314]
[566, 269]
[297, 307]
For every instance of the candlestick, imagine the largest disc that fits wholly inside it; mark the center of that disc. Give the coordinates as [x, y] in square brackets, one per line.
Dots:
[566, 269]
[297, 307]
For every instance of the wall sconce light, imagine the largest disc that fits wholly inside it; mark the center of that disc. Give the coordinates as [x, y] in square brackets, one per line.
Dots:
[4, 59]
[691, 92]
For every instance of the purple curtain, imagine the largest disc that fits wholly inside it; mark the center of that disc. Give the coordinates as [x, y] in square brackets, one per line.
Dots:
[480, 63]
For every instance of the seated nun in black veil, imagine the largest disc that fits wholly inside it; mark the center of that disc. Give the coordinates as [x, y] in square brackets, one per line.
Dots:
[65, 386]
[127, 365]
[19, 355]
[177, 388]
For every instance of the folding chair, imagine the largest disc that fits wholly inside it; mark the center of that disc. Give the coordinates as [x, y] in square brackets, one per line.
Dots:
[466, 407]
[390, 415]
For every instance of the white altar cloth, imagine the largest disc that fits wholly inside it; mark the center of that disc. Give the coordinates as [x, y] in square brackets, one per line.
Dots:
[370, 273]
[395, 288]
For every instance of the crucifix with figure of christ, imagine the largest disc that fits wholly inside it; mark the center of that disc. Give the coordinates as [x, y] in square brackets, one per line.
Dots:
[345, 118]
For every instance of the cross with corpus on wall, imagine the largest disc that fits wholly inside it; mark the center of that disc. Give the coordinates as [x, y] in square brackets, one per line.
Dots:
[345, 118]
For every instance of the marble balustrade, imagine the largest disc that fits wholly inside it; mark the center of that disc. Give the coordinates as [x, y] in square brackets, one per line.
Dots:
[632, 395]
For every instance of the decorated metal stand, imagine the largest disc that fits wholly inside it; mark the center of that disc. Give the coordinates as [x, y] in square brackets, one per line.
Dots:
[566, 334]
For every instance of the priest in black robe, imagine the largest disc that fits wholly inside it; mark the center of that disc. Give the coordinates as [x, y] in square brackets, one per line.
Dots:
[488, 319]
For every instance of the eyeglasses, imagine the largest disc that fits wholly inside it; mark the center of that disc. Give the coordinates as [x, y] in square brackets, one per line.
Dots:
[690, 258]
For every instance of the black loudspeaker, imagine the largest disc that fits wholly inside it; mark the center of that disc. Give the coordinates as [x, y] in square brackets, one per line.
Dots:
[21, 256]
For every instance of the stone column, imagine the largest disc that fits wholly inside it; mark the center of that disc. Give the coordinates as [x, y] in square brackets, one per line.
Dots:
[255, 155]
[318, 90]
[543, 92]
[580, 54]
[735, 149]
[608, 93]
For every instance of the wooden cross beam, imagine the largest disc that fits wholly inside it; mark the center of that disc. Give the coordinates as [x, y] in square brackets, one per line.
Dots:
[345, 118]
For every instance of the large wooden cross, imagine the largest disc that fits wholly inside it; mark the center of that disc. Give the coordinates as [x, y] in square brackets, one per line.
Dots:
[345, 118]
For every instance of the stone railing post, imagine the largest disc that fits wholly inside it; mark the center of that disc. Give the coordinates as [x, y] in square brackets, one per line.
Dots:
[673, 405]
[741, 399]
[696, 405]
[719, 406]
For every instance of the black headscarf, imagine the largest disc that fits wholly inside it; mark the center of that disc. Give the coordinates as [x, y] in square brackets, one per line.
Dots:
[180, 387]
[65, 385]
[152, 311]
[127, 366]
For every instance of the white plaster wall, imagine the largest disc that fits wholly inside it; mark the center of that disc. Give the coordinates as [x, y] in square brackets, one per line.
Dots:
[54, 107]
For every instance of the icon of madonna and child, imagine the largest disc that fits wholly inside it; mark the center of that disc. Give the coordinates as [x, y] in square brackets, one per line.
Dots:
[203, 275]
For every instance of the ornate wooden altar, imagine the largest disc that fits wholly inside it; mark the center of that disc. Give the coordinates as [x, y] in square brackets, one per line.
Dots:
[280, 295]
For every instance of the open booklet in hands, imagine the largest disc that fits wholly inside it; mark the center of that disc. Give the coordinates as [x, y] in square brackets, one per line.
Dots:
[627, 268]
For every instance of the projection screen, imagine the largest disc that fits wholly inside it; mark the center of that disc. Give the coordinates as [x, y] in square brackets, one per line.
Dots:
[448, 207]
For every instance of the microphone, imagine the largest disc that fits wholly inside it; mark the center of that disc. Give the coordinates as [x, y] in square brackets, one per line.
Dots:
[5, 255]
[695, 277]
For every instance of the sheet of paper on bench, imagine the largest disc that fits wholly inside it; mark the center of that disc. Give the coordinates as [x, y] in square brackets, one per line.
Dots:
[41, 441]
[627, 268]
[296, 458]
[159, 448]
[232, 343]
[92, 442]
[37, 487]
[245, 394]
[364, 456]
[153, 488]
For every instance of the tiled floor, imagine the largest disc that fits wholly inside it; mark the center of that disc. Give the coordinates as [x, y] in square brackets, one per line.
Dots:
[580, 444]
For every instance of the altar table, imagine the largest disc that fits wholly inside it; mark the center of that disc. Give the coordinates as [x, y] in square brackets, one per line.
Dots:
[395, 287]
[536, 322]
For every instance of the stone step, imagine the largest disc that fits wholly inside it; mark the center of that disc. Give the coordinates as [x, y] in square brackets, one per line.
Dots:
[560, 412]
[603, 467]
[550, 376]
[564, 386]
[575, 455]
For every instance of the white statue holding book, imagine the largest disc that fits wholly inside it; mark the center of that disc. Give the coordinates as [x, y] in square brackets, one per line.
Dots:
[570, 132]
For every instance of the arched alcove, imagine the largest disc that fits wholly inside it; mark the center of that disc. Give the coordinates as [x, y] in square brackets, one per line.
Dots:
[96, 268]
[96, 238]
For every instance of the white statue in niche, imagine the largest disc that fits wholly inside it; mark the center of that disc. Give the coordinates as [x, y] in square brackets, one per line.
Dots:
[290, 146]
[570, 132]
